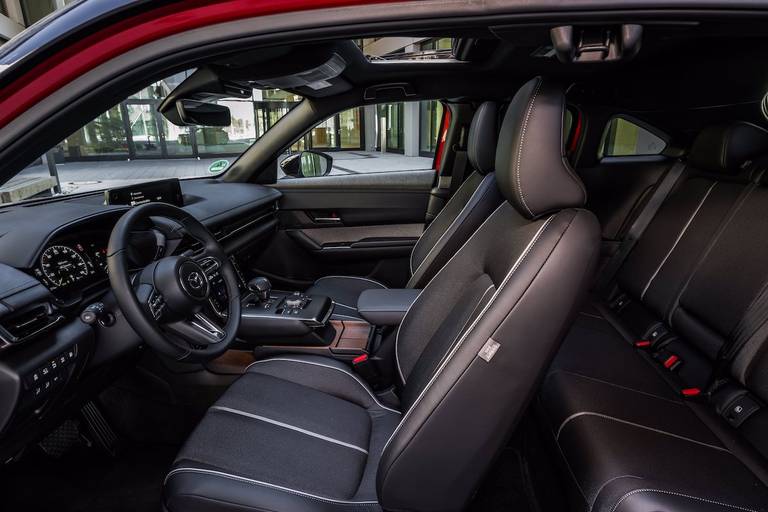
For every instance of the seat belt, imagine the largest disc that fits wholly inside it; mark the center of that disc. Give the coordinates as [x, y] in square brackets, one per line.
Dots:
[459, 171]
[639, 225]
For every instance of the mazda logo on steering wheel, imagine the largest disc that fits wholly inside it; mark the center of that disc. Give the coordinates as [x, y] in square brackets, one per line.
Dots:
[195, 280]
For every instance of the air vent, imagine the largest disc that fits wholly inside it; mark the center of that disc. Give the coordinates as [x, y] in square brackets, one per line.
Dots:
[28, 324]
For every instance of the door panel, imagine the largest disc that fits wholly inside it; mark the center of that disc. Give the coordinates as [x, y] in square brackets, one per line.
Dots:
[360, 224]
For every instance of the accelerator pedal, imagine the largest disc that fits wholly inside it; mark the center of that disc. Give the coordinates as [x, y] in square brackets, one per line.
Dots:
[100, 429]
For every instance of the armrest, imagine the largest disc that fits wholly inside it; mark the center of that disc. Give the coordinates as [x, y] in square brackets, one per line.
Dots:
[385, 306]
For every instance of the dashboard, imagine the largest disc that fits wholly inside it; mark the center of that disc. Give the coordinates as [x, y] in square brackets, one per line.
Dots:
[53, 266]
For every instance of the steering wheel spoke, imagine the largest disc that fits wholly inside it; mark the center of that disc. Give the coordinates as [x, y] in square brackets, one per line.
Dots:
[199, 330]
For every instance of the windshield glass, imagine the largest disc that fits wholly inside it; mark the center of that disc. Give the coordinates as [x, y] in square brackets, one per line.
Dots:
[132, 143]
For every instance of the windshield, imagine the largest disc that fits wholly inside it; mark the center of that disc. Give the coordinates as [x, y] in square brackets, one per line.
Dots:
[132, 143]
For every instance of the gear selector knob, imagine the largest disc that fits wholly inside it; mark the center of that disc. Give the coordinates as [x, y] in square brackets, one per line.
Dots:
[261, 287]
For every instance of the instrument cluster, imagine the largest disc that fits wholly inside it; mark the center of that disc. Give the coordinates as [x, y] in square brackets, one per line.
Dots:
[76, 260]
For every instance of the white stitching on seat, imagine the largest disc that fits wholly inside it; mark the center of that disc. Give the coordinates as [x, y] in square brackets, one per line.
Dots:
[677, 240]
[673, 493]
[614, 385]
[522, 143]
[326, 366]
[264, 484]
[473, 201]
[397, 334]
[458, 344]
[352, 277]
[606, 484]
[618, 420]
[288, 426]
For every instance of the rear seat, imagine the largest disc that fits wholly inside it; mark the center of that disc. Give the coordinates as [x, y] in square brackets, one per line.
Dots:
[655, 401]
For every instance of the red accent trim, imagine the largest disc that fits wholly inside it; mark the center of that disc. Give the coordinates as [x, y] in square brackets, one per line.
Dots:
[670, 362]
[443, 136]
[360, 359]
[642, 344]
[691, 392]
[97, 48]
[576, 135]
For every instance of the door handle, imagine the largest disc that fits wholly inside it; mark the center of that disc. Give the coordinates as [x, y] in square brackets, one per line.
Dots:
[326, 218]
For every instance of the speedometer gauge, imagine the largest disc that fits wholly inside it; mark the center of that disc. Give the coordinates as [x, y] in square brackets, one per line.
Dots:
[62, 265]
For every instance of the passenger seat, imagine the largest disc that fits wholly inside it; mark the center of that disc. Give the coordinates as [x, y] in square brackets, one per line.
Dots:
[470, 205]
[656, 401]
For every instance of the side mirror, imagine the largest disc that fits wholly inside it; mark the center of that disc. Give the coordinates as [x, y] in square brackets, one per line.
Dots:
[200, 113]
[307, 164]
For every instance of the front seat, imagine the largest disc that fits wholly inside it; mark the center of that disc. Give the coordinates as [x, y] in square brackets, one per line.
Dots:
[469, 206]
[303, 433]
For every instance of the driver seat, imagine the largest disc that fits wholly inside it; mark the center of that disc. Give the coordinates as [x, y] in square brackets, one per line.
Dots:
[305, 433]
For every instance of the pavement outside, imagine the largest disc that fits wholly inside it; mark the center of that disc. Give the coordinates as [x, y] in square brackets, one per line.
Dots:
[90, 176]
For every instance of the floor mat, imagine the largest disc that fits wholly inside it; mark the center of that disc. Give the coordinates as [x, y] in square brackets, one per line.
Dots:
[86, 480]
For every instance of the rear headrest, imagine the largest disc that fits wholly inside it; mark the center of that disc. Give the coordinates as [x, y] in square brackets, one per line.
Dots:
[531, 168]
[483, 134]
[725, 148]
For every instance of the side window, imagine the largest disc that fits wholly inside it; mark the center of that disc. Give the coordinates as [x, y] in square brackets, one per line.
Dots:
[622, 137]
[387, 137]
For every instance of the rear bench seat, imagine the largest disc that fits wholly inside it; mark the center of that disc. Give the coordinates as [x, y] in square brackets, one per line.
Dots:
[656, 399]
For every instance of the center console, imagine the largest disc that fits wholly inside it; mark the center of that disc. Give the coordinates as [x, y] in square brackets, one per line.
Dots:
[274, 320]
[283, 316]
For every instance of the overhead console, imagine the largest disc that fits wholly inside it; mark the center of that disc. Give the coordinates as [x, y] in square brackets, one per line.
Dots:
[596, 43]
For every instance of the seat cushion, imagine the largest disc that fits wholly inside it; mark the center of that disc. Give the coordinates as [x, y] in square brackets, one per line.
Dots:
[292, 433]
[627, 440]
[344, 291]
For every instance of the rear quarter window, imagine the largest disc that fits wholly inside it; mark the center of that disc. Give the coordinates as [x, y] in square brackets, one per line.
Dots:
[623, 137]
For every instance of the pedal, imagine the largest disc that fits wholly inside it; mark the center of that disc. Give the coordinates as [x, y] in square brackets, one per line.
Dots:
[100, 429]
[61, 440]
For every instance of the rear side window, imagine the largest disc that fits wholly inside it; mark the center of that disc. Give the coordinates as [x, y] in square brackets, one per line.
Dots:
[622, 137]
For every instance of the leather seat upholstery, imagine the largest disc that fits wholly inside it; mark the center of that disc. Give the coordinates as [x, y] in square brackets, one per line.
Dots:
[300, 433]
[469, 206]
[693, 293]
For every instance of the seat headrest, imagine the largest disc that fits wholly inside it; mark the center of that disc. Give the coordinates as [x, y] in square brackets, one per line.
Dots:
[483, 134]
[531, 168]
[726, 147]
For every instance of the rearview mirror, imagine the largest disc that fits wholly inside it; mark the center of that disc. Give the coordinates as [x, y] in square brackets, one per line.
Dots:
[200, 113]
[307, 164]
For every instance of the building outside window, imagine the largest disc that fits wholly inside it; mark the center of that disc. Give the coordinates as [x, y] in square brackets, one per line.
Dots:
[430, 119]
[35, 10]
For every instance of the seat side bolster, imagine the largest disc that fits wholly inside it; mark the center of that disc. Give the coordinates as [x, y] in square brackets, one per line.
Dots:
[196, 489]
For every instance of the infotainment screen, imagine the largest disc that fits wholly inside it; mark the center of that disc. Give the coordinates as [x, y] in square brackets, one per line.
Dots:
[163, 191]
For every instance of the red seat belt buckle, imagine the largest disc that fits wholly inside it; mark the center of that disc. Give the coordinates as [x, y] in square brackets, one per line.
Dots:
[360, 359]
[643, 344]
[672, 362]
[689, 392]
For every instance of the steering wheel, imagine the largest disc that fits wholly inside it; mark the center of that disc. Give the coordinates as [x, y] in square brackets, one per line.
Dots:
[164, 302]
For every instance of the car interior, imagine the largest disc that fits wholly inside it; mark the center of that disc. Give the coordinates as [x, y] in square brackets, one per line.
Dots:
[567, 312]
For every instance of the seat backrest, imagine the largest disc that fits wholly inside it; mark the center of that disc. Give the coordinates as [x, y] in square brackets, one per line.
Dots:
[468, 207]
[473, 346]
[664, 258]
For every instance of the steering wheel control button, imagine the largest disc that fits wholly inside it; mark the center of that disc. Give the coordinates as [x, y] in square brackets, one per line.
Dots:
[156, 304]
